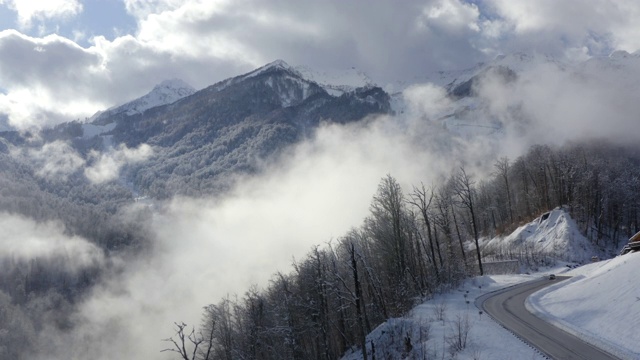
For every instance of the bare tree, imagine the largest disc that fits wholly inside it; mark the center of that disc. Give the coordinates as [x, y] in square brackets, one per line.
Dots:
[422, 201]
[464, 189]
[358, 300]
[502, 171]
[191, 340]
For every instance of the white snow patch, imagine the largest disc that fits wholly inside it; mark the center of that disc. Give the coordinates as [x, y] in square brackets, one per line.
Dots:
[167, 92]
[553, 234]
[91, 130]
[337, 82]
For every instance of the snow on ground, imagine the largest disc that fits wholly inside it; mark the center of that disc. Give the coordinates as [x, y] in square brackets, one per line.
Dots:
[553, 234]
[336, 82]
[600, 304]
[91, 130]
[431, 334]
[167, 92]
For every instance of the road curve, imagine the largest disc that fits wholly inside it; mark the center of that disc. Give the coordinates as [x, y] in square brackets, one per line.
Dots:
[507, 307]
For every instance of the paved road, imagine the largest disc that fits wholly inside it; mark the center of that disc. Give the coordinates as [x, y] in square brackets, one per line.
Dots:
[507, 307]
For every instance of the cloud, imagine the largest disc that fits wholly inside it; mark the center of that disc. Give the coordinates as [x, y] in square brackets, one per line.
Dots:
[56, 159]
[551, 26]
[106, 166]
[29, 10]
[451, 15]
[59, 160]
[51, 80]
[548, 103]
[24, 239]
[48, 80]
[206, 41]
[207, 248]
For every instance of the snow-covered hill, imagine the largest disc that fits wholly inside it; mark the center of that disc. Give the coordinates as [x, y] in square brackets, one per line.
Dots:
[554, 234]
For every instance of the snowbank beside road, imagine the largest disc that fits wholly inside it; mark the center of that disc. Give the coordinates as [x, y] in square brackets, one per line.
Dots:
[601, 305]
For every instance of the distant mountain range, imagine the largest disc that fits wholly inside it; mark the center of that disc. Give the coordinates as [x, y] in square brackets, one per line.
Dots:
[202, 140]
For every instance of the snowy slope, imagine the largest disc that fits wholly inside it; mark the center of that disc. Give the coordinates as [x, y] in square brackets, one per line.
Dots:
[601, 304]
[336, 83]
[291, 86]
[429, 332]
[167, 92]
[554, 234]
[275, 65]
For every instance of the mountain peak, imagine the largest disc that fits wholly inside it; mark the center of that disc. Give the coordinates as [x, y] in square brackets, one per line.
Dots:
[173, 84]
[272, 66]
[281, 64]
[166, 92]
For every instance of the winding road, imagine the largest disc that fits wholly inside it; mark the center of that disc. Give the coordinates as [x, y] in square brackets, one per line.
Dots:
[507, 307]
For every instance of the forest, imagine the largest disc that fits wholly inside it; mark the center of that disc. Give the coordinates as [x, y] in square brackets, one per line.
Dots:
[414, 244]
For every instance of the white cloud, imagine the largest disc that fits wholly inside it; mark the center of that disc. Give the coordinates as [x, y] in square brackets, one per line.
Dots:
[206, 41]
[144, 8]
[56, 159]
[106, 166]
[208, 248]
[452, 15]
[555, 25]
[29, 10]
[24, 239]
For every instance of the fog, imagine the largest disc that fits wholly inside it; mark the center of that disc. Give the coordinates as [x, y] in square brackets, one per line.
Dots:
[106, 166]
[209, 248]
[25, 240]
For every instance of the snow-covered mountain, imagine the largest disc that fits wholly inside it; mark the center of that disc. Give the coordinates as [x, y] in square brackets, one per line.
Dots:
[225, 128]
[337, 83]
[488, 98]
[166, 92]
[302, 82]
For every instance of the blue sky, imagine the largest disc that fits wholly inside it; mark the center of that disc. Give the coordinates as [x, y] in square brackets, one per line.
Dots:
[108, 18]
[67, 59]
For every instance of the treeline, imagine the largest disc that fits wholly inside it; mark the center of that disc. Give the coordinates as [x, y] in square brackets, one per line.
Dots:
[411, 246]
[598, 181]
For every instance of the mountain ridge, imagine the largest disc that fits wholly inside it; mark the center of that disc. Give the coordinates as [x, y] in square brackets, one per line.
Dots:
[165, 92]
